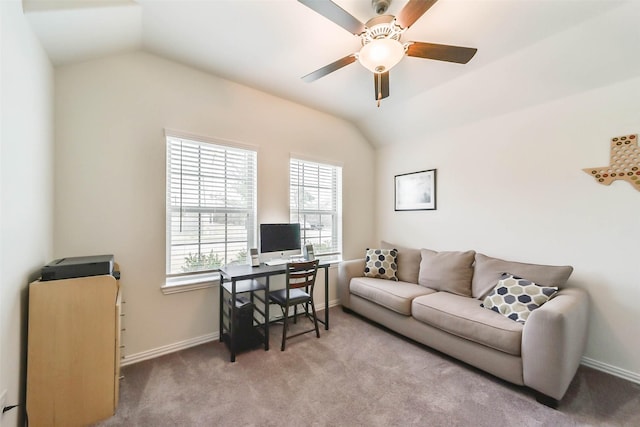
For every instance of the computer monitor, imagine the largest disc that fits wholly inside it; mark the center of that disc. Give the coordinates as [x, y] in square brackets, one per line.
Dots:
[279, 238]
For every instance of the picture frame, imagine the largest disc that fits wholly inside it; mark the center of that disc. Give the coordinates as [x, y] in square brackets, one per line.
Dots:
[416, 191]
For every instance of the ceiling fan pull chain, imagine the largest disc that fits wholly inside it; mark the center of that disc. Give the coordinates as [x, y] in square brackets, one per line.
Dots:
[379, 88]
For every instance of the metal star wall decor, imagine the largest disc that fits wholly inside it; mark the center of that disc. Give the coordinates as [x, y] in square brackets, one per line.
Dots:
[624, 162]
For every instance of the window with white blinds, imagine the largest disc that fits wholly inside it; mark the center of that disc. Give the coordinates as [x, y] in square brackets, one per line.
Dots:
[316, 203]
[211, 205]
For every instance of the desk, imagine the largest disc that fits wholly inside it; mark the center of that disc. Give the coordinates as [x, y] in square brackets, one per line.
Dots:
[237, 279]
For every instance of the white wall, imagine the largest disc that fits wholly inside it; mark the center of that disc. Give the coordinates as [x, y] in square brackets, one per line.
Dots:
[26, 190]
[513, 187]
[110, 174]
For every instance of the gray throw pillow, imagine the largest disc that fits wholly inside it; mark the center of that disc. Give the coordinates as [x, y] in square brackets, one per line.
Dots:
[447, 271]
[408, 262]
[489, 270]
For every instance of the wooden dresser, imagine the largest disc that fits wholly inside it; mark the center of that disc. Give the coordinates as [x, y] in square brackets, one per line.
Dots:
[73, 354]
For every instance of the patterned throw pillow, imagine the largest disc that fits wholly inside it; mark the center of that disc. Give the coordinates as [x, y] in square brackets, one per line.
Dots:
[515, 297]
[381, 263]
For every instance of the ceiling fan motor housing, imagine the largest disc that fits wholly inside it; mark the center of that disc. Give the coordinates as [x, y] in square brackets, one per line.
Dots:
[380, 6]
[381, 27]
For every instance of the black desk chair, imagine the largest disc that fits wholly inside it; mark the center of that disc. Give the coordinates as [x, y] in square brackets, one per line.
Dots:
[300, 281]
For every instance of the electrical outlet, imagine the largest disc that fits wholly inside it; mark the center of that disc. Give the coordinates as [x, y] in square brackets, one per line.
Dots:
[3, 400]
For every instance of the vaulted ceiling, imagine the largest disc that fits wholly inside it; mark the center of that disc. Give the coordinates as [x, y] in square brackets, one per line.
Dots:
[523, 46]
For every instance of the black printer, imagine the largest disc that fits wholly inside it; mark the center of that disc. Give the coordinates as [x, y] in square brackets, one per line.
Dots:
[68, 268]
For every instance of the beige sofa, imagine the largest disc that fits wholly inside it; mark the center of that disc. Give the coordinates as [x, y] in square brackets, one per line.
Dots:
[437, 302]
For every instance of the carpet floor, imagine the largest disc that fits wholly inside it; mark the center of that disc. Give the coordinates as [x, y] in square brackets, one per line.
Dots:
[356, 374]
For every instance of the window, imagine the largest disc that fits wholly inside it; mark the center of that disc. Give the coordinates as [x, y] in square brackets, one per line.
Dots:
[211, 205]
[316, 203]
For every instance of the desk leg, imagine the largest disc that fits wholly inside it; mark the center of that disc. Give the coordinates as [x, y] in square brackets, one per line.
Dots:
[266, 314]
[232, 329]
[326, 298]
[221, 308]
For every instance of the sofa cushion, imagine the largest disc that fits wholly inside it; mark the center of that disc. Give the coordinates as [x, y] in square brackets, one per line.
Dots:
[463, 316]
[447, 271]
[488, 271]
[515, 297]
[381, 263]
[396, 296]
[408, 262]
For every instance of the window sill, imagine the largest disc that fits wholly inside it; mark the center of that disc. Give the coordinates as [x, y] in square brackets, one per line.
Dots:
[175, 285]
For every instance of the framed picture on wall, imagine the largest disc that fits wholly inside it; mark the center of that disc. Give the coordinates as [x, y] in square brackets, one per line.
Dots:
[416, 191]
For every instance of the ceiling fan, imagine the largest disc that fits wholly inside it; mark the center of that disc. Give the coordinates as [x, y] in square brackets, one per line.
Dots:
[381, 36]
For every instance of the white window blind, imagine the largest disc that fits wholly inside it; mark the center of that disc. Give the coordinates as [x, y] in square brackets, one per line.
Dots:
[316, 203]
[211, 205]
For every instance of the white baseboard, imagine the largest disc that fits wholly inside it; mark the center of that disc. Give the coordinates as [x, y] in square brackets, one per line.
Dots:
[167, 349]
[182, 345]
[610, 369]
[332, 303]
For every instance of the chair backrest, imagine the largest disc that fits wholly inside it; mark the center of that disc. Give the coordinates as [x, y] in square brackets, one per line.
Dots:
[302, 274]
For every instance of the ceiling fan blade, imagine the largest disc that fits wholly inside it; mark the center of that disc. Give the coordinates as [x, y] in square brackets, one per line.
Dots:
[412, 11]
[336, 14]
[381, 85]
[321, 72]
[441, 52]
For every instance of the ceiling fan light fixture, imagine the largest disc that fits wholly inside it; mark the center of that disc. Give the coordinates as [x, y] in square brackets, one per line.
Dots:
[380, 55]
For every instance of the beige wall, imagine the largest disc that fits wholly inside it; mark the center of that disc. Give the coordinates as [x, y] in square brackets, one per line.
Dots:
[513, 187]
[110, 174]
[26, 190]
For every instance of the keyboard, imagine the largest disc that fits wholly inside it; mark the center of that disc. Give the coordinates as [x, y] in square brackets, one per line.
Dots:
[281, 261]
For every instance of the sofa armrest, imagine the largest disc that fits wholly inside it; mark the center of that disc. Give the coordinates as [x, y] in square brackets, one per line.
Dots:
[553, 342]
[346, 271]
